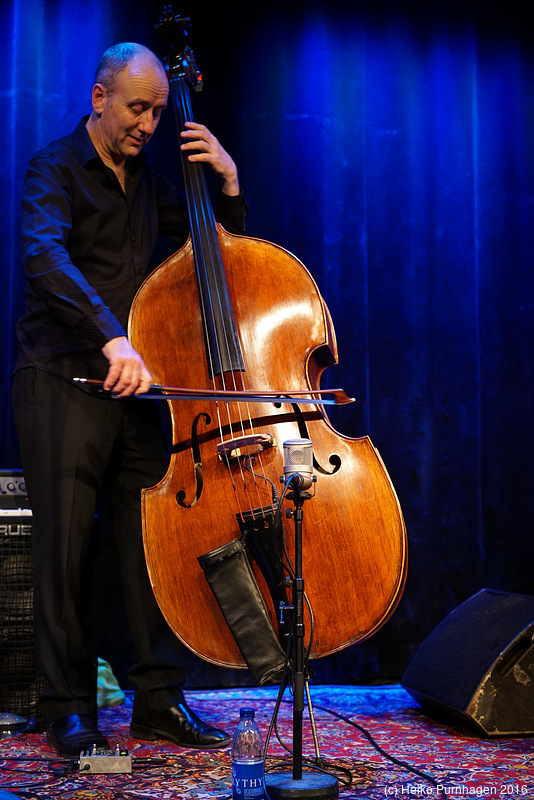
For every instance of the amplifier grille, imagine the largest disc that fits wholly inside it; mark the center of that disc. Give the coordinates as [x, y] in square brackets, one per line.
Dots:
[21, 680]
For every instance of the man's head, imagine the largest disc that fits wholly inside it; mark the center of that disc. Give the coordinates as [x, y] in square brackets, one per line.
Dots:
[128, 97]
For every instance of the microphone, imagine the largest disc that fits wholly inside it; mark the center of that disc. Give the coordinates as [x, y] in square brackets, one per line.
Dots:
[298, 462]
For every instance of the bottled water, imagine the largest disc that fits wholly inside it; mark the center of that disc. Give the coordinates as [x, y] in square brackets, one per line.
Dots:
[247, 759]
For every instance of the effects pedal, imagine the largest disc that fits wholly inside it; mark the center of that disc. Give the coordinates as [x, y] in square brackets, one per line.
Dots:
[105, 761]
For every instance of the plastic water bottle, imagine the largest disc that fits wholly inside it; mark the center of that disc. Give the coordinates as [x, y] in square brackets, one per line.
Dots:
[247, 759]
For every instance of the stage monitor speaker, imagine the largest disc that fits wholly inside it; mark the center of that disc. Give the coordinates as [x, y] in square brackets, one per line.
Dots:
[477, 666]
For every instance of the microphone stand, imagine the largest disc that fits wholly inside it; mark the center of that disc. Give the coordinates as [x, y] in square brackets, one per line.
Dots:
[311, 784]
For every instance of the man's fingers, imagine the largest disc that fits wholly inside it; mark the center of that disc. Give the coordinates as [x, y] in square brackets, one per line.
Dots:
[127, 372]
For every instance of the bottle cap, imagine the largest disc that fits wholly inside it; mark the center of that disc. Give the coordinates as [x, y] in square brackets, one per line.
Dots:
[246, 713]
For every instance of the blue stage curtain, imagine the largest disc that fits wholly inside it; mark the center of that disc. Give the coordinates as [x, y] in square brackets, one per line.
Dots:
[390, 146]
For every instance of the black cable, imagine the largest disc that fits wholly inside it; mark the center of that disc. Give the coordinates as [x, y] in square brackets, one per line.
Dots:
[377, 747]
[64, 767]
[332, 765]
[42, 759]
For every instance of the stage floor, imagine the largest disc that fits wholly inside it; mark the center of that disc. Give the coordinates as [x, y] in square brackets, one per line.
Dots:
[374, 739]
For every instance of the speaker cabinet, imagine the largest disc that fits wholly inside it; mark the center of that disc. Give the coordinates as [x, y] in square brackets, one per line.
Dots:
[477, 667]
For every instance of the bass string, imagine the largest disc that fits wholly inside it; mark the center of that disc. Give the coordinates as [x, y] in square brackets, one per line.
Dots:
[207, 256]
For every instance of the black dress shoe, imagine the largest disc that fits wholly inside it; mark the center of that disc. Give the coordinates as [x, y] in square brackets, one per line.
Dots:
[181, 726]
[68, 736]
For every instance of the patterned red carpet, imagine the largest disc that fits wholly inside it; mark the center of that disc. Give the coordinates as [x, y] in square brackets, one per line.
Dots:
[412, 756]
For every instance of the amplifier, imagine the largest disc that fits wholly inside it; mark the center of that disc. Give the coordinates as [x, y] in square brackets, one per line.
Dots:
[20, 679]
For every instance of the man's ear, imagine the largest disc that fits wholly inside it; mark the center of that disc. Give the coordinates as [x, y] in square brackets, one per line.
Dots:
[99, 96]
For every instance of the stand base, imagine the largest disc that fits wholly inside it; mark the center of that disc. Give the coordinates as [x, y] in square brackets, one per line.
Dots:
[312, 784]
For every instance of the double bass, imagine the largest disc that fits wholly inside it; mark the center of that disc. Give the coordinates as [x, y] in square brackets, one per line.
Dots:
[235, 315]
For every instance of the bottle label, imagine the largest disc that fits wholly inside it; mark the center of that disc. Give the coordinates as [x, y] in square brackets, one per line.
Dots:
[247, 780]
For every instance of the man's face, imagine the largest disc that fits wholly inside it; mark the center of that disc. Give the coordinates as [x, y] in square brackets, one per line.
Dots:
[130, 113]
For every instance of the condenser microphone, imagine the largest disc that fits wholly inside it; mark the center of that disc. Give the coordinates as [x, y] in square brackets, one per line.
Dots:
[298, 463]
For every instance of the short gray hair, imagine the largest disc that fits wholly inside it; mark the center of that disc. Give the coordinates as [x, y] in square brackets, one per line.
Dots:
[117, 57]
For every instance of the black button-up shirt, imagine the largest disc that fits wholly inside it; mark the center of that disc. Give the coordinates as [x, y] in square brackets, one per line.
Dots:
[87, 246]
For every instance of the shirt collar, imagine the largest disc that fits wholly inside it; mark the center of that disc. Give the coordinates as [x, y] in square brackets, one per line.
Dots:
[86, 151]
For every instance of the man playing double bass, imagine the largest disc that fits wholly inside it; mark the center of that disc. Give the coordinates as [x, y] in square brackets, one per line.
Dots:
[92, 212]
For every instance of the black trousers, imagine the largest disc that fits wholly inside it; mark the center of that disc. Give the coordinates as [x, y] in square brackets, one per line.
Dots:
[74, 449]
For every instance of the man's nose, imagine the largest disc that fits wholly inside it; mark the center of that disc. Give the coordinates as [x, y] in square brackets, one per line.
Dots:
[148, 122]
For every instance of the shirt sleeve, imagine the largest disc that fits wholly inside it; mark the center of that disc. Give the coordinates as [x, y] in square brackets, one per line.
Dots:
[231, 212]
[52, 277]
